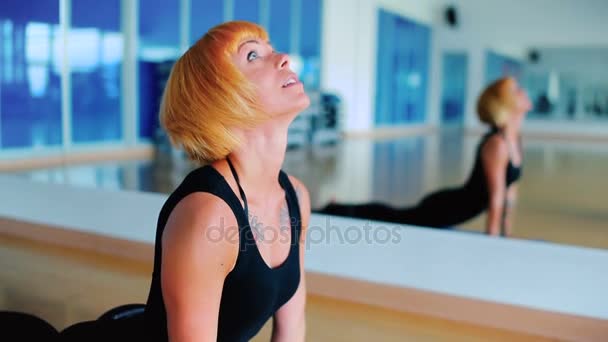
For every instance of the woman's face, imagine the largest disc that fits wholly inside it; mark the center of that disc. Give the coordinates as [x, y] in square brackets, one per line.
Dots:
[521, 101]
[278, 88]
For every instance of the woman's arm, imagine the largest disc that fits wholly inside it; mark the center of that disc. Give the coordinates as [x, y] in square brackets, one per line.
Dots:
[495, 156]
[289, 322]
[509, 209]
[199, 250]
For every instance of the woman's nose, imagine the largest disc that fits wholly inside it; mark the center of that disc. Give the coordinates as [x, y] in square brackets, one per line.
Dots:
[282, 60]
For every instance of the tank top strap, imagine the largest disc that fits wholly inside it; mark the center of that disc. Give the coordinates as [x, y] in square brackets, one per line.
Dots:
[293, 204]
[496, 130]
[208, 179]
[238, 183]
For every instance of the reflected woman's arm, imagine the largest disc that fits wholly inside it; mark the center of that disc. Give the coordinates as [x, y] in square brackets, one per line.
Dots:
[495, 156]
[510, 204]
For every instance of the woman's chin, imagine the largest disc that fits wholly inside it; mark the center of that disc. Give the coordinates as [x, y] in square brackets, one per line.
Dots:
[300, 104]
[305, 102]
[294, 107]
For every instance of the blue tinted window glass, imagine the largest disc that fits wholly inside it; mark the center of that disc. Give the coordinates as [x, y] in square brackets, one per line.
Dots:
[248, 10]
[453, 87]
[402, 70]
[95, 54]
[384, 62]
[310, 43]
[204, 14]
[280, 28]
[158, 24]
[310, 28]
[159, 41]
[30, 84]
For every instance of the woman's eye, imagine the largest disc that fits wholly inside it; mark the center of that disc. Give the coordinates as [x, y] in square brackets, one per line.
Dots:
[251, 56]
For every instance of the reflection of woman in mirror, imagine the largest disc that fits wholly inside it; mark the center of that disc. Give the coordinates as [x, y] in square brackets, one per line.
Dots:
[491, 185]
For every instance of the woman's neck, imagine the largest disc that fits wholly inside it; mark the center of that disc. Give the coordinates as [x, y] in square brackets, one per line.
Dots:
[259, 158]
[513, 127]
[511, 131]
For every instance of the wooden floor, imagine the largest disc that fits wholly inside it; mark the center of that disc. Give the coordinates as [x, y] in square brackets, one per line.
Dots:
[65, 286]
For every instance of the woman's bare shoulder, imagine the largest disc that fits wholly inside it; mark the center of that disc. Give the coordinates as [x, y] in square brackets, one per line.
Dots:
[202, 223]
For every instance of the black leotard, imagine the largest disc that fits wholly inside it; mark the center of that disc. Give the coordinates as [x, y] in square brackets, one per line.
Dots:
[252, 291]
[441, 209]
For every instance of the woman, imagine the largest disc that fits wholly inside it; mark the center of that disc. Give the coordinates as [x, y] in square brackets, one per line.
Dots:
[229, 243]
[491, 185]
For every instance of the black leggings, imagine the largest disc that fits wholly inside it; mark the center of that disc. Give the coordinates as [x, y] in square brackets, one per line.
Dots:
[443, 209]
[105, 331]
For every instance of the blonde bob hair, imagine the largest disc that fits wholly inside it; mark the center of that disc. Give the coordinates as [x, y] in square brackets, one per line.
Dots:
[495, 103]
[206, 96]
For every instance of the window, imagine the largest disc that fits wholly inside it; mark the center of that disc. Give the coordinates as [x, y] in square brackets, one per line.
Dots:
[280, 25]
[402, 70]
[159, 47]
[248, 10]
[204, 14]
[310, 42]
[30, 82]
[95, 47]
[453, 87]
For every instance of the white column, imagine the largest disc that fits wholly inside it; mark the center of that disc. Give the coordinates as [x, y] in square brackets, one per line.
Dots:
[129, 100]
[475, 82]
[265, 14]
[366, 48]
[228, 10]
[184, 27]
[296, 7]
[342, 40]
[433, 102]
[430, 178]
[65, 16]
[337, 53]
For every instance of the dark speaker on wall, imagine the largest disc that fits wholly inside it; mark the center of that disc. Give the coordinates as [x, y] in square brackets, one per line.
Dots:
[451, 16]
[533, 56]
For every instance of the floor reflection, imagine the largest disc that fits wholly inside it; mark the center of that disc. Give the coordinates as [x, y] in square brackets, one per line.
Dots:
[561, 193]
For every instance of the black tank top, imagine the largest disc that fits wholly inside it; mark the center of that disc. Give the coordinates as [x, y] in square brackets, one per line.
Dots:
[252, 291]
[477, 184]
[444, 208]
